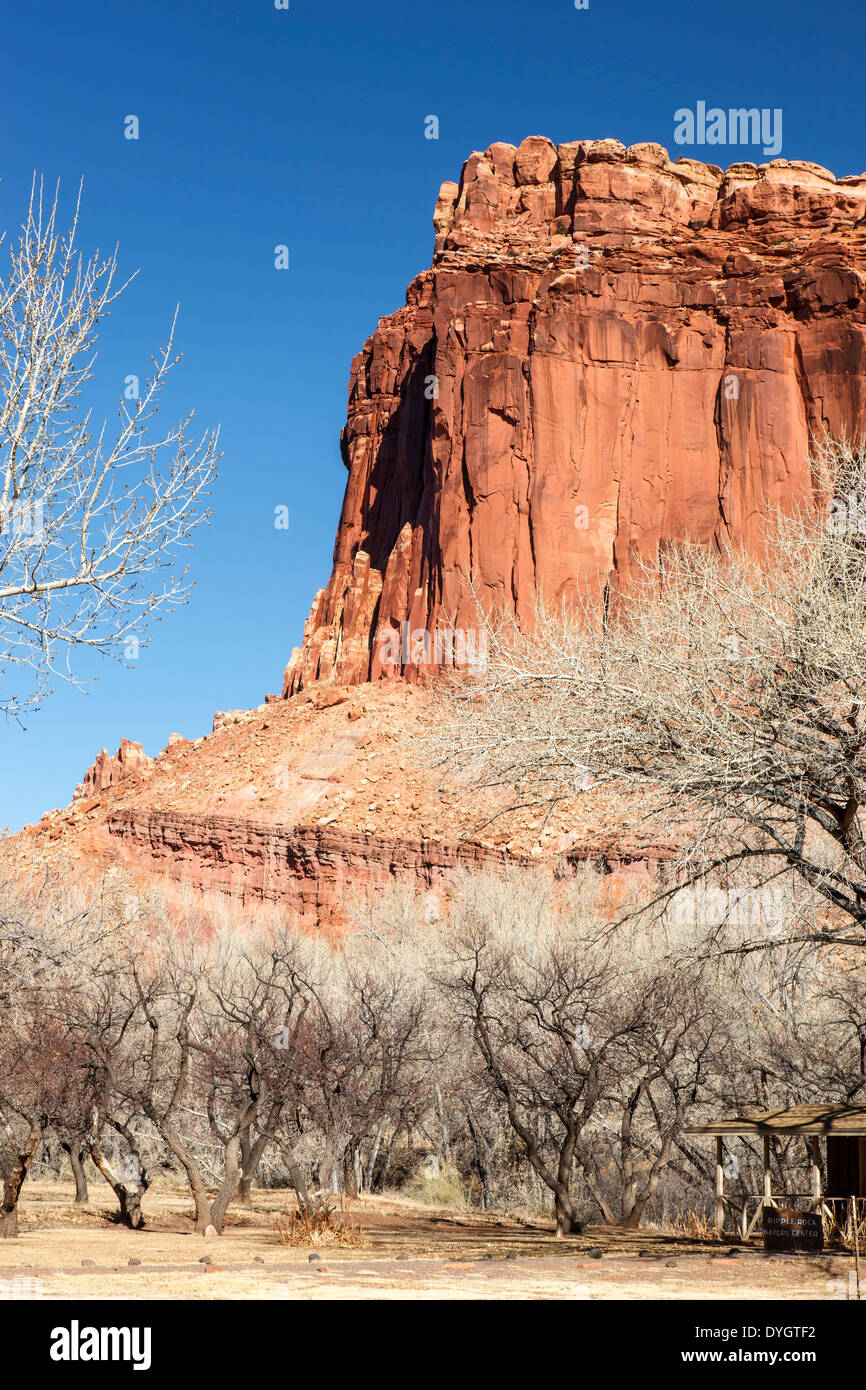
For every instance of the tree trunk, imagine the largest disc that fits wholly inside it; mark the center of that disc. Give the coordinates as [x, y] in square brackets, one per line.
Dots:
[481, 1162]
[248, 1167]
[131, 1214]
[636, 1197]
[242, 1196]
[565, 1221]
[593, 1182]
[14, 1181]
[251, 1157]
[8, 1223]
[386, 1158]
[443, 1125]
[298, 1181]
[75, 1154]
[374, 1154]
[128, 1195]
[351, 1173]
[202, 1204]
[227, 1188]
[633, 1220]
[166, 1130]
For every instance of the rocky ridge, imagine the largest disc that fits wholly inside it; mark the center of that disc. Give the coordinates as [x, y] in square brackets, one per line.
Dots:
[299, 803]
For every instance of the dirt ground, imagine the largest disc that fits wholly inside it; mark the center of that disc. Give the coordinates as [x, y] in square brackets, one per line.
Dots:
[413, 1251]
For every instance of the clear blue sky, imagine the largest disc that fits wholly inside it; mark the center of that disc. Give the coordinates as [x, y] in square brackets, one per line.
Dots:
[306, 127]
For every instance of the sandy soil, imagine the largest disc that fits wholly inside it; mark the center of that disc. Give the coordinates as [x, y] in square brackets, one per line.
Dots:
[413, 1252]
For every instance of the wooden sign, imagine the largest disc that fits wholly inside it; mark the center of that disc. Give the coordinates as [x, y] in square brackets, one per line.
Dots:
[788, 1230]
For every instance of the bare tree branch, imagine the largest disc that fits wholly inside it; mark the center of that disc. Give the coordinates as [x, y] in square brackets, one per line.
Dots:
[89, 519]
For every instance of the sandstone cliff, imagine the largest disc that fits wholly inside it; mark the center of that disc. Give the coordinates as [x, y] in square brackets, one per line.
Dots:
[610, 349]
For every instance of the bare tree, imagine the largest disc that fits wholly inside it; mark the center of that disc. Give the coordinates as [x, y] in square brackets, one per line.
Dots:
[100, 1017]
[126, 1170]
[251, 986]
[48, 935]
[597, 1043]
[192, 1040]
[530, 992]
[722, 698]
[89, 518]
[159, 1010]
[40, 1080]
[366, 1065]
[663, 1055]
[76, 1150]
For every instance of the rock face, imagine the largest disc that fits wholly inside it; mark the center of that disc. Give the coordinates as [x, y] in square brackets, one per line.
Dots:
[302, 804]
[308, 871]
[106, 771]
[313, 871]
[609, 350]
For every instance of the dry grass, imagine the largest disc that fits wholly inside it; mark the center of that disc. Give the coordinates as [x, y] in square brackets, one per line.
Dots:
[697, 1225]
[324, 1226]
[446, 1190]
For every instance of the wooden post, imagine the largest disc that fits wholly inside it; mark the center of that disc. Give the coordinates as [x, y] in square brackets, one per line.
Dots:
[720, 1185]
[768, 1188]
[816, 1171]
[856, 1235]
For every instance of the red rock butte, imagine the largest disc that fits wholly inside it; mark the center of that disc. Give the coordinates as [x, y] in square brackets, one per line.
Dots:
[610, 349]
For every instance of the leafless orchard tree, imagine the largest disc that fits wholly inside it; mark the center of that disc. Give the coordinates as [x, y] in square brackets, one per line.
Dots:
[100, 1015]
[598, 1043]
[253, 985]
[529, 994]
[193, 1022]
[123, 1160]
[369, 1069]
[436, 1091]
[663, 1022]
[24, 1113]
[42, 1082]
[57, 943]
[350, 1068]
[90, 519]
[724, 697]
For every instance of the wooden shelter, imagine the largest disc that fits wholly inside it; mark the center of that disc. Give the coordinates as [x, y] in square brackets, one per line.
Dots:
[842, 1127]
